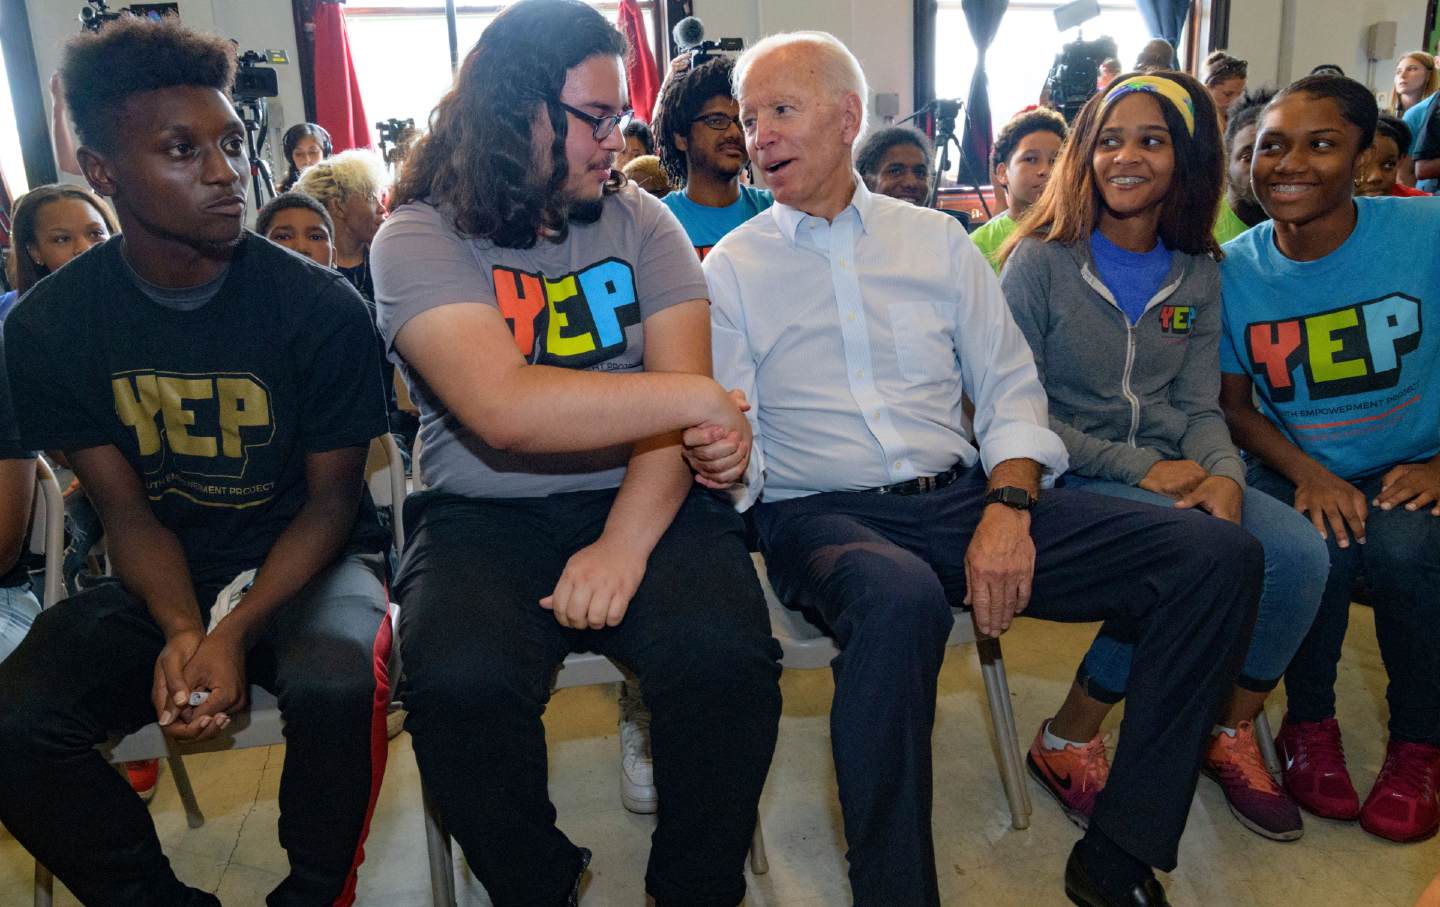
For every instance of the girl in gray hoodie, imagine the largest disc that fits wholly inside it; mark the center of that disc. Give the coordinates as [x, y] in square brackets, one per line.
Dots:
[1113, 278]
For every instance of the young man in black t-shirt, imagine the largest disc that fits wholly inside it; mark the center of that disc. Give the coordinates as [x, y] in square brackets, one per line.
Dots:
[203, 384]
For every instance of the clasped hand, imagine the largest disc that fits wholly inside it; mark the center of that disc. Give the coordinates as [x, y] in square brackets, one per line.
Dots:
[719, 448]
[596, 586]
[192, 662]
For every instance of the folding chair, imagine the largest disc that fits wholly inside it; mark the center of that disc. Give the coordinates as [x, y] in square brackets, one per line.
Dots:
[258, 725]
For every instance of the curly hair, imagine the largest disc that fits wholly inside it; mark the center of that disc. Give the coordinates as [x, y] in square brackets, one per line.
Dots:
[1245, 111]
[336, 180]
[872, 151]
[22, 271]
[1041, 119]
[132, 55]
[682, 97]
[477, 159]
[1071, 205]
[286, 200]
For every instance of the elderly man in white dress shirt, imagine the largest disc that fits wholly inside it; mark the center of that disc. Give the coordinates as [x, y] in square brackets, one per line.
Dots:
[853, 322]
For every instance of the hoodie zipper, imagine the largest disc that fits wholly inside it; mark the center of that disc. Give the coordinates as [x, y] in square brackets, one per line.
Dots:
[1129, 341]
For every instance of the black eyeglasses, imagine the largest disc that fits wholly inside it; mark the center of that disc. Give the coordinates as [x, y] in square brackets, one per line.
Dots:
[601, 127]
[718, 121]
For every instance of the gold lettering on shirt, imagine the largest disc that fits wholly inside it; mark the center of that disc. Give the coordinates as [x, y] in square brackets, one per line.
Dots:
[137, 409]
[242, 403]
[173, 394]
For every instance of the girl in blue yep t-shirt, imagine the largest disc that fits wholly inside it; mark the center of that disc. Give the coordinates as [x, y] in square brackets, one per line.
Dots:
[1331, 314]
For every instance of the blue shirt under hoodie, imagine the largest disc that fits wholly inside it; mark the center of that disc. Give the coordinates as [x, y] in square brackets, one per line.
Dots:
[1343, 350]
[1132, 277]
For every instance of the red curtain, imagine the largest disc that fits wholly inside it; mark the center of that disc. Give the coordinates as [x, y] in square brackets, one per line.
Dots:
[641, 72]
[338, 106]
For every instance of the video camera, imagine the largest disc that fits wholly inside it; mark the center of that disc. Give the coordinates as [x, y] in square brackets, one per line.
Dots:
[1071, 81]
[689, 35]
[95, 13]
[396, 135]
[253, 81]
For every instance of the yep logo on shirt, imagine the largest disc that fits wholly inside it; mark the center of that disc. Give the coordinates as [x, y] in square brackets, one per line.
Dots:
[575, 321]
[1349, 350]
[1176, 319]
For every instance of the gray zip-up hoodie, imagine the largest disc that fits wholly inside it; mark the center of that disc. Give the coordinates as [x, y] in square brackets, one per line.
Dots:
[1123, 397]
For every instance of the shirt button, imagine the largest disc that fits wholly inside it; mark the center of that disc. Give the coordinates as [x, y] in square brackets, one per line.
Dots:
[875, 415]
[899, 463]
[851, 316]
[859, 373]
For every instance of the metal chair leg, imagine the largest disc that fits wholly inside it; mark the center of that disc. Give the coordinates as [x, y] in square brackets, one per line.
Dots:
[44, 886]
[193, 816]
[759, 862]
[1012, 776]
[1266, 739]
[437, 848]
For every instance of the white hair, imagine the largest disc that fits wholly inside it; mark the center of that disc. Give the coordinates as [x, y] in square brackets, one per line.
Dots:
[835, 66]
[337, 179]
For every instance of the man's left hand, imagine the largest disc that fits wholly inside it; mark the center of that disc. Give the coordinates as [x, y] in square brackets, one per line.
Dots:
[1217, 496]
[596, 586]
[999, 568]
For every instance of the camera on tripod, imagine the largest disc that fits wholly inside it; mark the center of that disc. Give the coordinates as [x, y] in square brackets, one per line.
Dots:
[95, 13]
[1071, 81]
[253, 81]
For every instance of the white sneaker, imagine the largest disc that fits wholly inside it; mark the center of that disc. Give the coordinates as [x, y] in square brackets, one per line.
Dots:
[637, 770]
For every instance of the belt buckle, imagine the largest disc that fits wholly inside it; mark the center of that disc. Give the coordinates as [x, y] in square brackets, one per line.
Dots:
[926, 483]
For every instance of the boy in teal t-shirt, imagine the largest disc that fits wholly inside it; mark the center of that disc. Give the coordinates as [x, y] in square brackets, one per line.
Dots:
[1024, 154]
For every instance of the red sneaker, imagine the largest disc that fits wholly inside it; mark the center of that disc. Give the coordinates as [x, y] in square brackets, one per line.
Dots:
[1404, 804]
[1074, 776]
[143, 777]
[1312, 762]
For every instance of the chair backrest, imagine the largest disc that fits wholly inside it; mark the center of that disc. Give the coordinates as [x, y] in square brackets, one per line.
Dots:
[49, 526]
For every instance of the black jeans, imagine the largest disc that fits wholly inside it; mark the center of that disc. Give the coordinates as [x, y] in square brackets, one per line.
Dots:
[883, 571]
[1401, 563]
[479, 654]
[84, 673]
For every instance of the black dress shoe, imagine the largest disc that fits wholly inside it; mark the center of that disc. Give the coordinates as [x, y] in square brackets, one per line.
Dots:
[1082, 889]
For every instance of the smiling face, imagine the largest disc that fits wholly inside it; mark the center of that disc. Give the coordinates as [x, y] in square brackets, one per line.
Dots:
[1379, 167]
[634, 147]
[798, 131]
[303, 231]
[64, 228]
[179, 172]
[903, 173]
[1134, 159]
[718, 152]
[1028, 170]
[1306, 154]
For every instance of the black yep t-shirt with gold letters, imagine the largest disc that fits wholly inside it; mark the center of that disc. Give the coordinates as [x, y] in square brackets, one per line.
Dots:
[214, 407]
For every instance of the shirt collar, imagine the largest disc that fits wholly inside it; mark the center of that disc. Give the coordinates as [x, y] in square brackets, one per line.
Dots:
[789, 219]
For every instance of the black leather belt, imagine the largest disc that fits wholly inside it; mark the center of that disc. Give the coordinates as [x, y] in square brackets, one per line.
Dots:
[923, 484]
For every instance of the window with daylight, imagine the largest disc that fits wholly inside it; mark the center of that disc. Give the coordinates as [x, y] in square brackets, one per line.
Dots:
[1024, 48]
[401, 49]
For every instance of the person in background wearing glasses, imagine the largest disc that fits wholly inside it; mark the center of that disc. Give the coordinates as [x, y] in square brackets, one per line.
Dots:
[701, 147]
[553, 323]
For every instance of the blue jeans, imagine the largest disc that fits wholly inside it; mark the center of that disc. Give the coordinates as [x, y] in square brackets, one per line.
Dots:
[18, 607]
[1401, 563]
[1296, 564]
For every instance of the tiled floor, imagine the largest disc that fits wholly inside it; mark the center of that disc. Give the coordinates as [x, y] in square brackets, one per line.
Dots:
[982, 860]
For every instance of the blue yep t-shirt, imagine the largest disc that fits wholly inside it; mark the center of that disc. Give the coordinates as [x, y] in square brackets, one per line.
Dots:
[1342, 350]
[706, 225]
[1133, 278]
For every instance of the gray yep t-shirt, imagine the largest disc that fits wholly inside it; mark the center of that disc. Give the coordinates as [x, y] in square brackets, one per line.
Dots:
[577, 304]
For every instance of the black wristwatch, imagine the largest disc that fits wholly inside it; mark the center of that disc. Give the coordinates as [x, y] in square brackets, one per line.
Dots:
[1010, 496]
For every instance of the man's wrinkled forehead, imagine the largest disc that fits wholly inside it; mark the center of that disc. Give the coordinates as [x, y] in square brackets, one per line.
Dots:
[787, 73]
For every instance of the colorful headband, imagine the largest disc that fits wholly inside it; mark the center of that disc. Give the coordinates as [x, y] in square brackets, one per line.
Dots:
[1173, 92]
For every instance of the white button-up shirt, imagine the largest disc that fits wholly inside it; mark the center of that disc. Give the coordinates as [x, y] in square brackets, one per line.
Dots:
[853, 341]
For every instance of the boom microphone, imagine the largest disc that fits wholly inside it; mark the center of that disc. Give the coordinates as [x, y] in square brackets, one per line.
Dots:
[688, 32]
